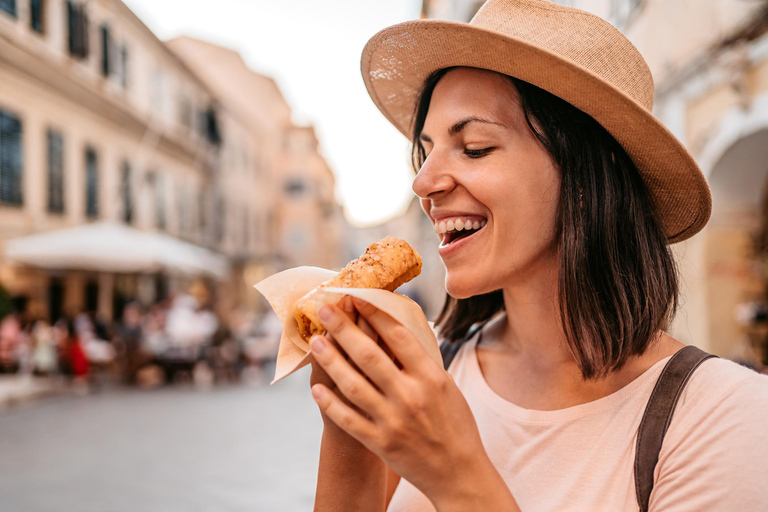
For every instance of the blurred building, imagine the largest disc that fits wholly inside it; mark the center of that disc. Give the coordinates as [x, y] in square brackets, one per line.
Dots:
[287, 191]
[709, 60]
[175, 156]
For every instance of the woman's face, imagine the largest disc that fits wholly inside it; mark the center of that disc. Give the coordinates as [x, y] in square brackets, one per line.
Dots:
[485, 168]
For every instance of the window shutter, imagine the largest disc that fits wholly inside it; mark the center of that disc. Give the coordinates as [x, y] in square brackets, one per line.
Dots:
[160, 202]
[36, 15]
[84, 31]
[127, 193]
[8, 6]
[124, 66]
[106, 49]
[55, 172]
[71, 27]
[91, 184]
[77, 20]
[11, 158]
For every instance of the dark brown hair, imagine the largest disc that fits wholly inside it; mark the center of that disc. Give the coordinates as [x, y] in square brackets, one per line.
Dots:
[617, 278]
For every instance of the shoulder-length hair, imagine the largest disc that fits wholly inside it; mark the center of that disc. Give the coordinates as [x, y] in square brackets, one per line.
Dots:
[617, 278]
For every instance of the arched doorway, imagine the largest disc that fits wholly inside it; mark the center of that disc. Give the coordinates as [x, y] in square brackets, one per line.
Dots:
[734, 262]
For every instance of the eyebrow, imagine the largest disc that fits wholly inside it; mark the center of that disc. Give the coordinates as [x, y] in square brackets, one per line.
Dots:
[457, 127]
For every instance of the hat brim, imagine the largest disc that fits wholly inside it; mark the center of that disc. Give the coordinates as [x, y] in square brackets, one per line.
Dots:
[396, 62]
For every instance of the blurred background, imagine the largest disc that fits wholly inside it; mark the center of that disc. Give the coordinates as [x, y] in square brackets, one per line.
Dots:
[160, 157]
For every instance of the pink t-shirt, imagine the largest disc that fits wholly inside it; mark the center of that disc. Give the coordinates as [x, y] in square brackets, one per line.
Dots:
[714, 456]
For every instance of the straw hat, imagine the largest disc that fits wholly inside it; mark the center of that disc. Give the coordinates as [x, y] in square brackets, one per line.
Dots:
[572, 54]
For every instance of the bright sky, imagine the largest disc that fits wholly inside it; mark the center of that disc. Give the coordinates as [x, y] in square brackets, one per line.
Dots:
[312, 49]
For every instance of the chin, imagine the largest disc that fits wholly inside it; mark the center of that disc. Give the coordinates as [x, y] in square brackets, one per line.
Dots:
[465, 287]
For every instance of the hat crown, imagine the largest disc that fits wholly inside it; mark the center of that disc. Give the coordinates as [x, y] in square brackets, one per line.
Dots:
[579, 36]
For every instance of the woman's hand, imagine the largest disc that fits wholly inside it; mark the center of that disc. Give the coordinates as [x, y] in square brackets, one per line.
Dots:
[411, 414]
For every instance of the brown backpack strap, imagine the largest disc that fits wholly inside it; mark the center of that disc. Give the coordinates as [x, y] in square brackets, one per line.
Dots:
[449, 349]
[658, 415]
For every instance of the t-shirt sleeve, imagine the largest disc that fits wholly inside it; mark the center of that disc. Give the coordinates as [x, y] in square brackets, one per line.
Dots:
[716, 456]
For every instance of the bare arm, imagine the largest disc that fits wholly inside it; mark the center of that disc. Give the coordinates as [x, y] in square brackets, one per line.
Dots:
[392, 480]
[350, 477]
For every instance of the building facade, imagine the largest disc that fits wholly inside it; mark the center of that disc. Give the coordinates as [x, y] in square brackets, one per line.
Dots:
[709, 61]
[103, 123]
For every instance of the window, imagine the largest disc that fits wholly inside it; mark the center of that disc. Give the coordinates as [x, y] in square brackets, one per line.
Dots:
[210, 127]
[158, 90]
[124, 66]
[295, 187]
[11, 158]
[55, 172]
[219, 220]
[127, 192]
[36, 15]
[159, 185]
[8, 6]
[106, 50]
[91, 184]
[185, 113]
[77, 21]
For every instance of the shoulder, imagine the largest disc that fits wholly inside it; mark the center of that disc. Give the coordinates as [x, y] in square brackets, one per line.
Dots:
[721, 400]
[719, 432]
[722, 384]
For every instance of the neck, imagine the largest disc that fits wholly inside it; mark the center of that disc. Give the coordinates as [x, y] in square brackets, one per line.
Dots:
[532, 329]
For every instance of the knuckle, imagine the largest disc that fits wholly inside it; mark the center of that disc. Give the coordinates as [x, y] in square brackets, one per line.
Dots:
[391, 436]
[367, 358]
[352, 389]
[399, 334]
[344, 421]
[414, 402]
[437, 380]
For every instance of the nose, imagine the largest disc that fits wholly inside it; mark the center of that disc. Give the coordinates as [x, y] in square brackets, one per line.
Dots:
[432, 179]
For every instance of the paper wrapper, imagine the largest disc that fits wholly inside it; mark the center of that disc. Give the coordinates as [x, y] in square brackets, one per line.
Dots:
[283, 289]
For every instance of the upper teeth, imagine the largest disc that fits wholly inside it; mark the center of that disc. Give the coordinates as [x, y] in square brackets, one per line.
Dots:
[458, 224]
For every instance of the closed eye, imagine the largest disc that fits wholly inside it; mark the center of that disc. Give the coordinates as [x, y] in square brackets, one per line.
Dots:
[477, 153]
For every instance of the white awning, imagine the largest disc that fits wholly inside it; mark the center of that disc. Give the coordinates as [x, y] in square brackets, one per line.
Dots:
[113, 247]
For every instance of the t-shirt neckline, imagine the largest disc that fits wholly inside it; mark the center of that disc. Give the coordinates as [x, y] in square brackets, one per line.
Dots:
[484, 390]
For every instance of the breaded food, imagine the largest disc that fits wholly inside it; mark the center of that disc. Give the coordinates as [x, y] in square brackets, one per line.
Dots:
[385, 264]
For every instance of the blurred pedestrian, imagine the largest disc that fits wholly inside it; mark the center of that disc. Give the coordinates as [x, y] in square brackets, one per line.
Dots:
[72, 358]
[10, 338]
[44, 360]
[129, 340]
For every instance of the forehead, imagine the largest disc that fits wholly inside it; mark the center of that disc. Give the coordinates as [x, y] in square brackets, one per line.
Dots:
[474, 92]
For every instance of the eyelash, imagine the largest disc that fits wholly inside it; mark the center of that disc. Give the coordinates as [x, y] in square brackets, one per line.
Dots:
[477, 153]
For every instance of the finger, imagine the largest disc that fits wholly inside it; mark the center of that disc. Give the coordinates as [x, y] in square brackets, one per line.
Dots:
[349, 381]
[402, 344]
[348, 307]
[343, 415]
[362, 349]
[364, 326]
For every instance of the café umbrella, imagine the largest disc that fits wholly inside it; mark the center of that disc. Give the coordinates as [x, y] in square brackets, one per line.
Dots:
[113, 247]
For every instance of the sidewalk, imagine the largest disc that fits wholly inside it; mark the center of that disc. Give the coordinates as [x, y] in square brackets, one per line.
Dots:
[19, 389]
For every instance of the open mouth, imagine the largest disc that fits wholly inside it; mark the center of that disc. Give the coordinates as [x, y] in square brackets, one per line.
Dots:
[457, 229]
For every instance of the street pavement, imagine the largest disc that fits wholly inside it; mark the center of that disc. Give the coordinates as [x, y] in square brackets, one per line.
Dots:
[235, 448]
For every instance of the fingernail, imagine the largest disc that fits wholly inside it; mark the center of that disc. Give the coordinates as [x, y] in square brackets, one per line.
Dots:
[325, 313]
[347, 304]
[317, 392]
[317, 344]
[359, 302]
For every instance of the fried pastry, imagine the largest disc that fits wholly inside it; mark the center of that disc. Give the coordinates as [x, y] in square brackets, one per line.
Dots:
[385, 264]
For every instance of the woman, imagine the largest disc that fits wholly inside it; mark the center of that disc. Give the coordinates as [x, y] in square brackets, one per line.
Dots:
[578, 189]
